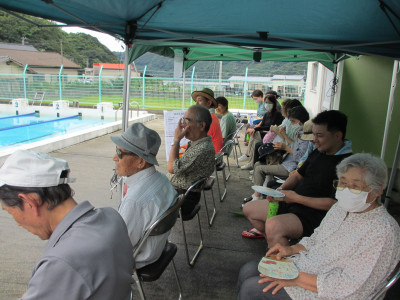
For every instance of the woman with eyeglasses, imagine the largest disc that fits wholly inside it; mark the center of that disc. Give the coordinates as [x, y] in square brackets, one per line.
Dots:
[349, 255]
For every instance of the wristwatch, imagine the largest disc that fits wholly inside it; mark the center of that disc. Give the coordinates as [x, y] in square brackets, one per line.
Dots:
[175, 143]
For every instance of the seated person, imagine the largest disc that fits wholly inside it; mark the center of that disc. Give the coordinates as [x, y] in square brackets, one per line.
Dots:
[266, 172]
[227, 122]
[272, 117]
[308, 192]
[205, 97]
[149, 192]
[258, 97]
[88, 254]
[198, 161]
[298, 116]
[349, 255]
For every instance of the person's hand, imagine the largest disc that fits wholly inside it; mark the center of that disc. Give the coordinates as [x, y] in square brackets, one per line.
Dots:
[179, 132]
[275, 129]
[279, 146]
[276, 284]
[280, 251]
[290, 196]
[280, 199]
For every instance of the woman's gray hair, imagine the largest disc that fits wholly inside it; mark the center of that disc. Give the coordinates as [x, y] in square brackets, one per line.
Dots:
[374, 168]
[202, 114]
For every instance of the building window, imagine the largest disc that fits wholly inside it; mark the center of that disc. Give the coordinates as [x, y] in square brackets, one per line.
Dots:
[314, 77]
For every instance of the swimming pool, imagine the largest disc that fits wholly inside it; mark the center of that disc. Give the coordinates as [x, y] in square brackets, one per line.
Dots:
[28, 128]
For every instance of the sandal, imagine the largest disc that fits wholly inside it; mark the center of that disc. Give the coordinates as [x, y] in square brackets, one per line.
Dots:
[252, 234]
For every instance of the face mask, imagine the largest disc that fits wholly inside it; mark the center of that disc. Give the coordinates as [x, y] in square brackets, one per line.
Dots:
[352, 202]
[297, 127]
[268, 106]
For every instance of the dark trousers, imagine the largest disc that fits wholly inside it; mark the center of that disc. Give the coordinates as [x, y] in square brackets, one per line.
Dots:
[192, 199]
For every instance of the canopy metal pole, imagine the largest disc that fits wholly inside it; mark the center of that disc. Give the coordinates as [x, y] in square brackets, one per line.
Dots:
[101, 69]
[245, 89]
[191, 86]
[392, 175]
[334, 87]
[144, 85]
[183, 89]
[125, 108]
[390, 107]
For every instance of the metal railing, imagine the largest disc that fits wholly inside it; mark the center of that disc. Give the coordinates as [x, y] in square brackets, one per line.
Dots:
[147, 92]
[130, 110]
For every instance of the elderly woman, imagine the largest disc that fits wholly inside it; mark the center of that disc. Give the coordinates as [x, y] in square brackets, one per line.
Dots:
[349, 255]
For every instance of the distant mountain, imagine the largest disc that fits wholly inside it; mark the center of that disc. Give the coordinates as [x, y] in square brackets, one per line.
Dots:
[81, 48]
[163, 66]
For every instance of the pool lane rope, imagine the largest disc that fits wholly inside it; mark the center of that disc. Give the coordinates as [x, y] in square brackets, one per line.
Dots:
[39, 123]
[19, 116]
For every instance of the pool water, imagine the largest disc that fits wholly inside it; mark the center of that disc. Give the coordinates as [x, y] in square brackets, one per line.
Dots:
[31, 128]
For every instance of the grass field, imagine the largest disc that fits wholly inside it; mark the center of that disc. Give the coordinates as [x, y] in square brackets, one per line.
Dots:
[158, 103]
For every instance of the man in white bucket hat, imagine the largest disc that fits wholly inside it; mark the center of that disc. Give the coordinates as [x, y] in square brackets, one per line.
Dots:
[88, 254]
[149, 193]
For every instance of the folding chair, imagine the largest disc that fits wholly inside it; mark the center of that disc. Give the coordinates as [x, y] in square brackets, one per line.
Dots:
[199, 184]
[390, 281]
[236, 142]
[153, 271]
[228, 147]
[208, 186]
[220, 166]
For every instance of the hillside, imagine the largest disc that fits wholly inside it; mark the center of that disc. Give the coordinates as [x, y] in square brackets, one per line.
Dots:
[162, 66]
[81, 48]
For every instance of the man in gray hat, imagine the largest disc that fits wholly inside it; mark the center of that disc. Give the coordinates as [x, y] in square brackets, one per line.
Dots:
[88, 255]
[149, 193]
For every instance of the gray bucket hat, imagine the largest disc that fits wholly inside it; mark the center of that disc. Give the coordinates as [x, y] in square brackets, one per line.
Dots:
[140, 140]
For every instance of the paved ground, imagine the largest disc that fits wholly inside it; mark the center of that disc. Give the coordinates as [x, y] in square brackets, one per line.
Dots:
[213, 277]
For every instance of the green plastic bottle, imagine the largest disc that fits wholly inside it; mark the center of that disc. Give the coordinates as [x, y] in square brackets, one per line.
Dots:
[247, 137]
[272, 209]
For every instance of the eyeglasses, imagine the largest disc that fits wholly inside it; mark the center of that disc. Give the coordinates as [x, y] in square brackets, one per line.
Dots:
[355, 189]
[186, 121]
[121, 153]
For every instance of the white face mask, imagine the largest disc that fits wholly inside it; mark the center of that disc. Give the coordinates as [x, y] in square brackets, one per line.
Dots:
[352, 202]
[297, 126]
[268, 106]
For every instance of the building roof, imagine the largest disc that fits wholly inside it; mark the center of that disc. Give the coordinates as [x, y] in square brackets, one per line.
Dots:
[288, 77]
[39, 59]
[111, 66]
[17, 46]
[250, 78]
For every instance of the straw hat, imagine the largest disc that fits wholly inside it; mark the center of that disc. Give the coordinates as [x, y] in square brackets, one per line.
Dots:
[307, 131]
[206, 93]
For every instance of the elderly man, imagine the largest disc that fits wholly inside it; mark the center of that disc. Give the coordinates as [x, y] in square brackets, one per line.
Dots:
[198, 161]
[205, 97]
[88, 255]
[149, 192]
[309, 193]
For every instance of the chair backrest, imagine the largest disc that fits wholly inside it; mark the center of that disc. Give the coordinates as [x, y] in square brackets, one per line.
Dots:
[163, 224]
[226, 149]
[199, 184]
[390, 281]
[237, 130]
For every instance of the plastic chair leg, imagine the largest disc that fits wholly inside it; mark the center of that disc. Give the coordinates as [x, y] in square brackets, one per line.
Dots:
[191, 262]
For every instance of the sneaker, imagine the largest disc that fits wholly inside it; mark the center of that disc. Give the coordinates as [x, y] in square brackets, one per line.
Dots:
[251, 172]
[248, 199]
[244, 157]
[247, 167]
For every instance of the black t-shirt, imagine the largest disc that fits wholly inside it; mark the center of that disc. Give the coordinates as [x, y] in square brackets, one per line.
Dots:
[319, 171]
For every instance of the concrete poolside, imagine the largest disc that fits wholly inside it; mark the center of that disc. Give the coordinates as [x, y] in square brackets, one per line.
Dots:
[213, 277]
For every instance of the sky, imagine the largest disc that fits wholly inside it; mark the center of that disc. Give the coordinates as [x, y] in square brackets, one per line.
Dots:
[109, 41]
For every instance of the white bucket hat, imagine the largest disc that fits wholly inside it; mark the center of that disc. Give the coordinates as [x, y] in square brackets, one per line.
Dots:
[26, 168]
